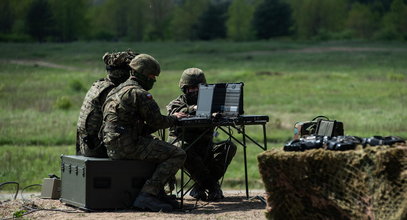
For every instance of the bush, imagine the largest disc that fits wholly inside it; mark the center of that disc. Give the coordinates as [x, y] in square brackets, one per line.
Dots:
[77, 85]
[272, 18]
[63, 103]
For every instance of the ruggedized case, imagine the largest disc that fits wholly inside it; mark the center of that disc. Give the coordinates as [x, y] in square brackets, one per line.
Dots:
[101, 183]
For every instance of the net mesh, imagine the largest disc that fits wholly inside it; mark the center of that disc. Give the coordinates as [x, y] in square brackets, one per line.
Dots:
[367, 183]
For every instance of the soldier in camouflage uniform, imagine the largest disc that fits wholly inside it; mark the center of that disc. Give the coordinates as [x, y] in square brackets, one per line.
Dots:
[91, 116]
[130, 115]
[206, 161]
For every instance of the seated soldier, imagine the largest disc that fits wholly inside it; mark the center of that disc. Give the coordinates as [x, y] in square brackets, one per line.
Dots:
[206, 161]
[130, 116]
[90, 116]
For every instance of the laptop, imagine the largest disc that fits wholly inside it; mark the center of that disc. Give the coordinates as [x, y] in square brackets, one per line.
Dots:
[223, 98]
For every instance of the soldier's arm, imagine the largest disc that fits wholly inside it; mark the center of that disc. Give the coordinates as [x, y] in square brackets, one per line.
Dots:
[150, 112]
[178, 105]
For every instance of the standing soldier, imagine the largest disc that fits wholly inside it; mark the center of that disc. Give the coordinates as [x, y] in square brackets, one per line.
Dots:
[90, 116]
[130, 115]
[206, 161]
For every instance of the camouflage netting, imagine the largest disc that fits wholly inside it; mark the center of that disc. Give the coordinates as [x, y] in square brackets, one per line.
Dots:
[369, 183]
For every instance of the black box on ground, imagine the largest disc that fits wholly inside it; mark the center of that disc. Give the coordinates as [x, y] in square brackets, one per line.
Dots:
[101, 183]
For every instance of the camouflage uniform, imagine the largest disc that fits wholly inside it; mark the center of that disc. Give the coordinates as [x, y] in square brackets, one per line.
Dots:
[130, 115]
[206, 161]
[91, 116]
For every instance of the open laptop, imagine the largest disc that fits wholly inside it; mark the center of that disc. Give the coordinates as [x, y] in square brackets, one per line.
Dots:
[223, 98]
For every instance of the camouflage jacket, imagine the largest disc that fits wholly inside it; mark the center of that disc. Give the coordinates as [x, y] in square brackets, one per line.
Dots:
[130, 110]
[91, 117]
[180, 105]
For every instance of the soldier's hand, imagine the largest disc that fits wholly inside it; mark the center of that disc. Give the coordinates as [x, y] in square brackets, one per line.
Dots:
[180, 115]
[195, 107]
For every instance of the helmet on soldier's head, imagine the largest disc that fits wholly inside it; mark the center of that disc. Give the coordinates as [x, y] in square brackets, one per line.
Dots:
[192, 77]
[145, 64]
[117, 65]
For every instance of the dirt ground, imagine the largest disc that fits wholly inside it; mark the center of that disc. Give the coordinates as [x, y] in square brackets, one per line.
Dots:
[234, 206]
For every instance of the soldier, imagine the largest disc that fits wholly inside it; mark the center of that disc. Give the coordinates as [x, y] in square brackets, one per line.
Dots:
[90, 116]
[130, 115]
[206, 161]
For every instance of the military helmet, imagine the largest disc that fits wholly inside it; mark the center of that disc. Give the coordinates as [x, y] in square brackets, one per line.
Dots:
[117, 65]
[119, 59]
[145, 64]
[192, 77]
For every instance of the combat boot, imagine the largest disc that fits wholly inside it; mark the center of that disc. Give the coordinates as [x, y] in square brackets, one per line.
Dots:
[146, 201]
[215, 193]
[198, 193]
[170, 199]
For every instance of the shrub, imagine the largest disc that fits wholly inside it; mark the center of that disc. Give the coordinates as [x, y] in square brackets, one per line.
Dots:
[63, 103]
[77, 85]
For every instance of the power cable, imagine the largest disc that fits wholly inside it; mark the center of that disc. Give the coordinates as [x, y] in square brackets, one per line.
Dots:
[12, 182]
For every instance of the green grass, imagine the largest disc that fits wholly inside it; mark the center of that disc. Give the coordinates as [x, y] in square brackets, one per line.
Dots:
[362, 84]
[30, 164]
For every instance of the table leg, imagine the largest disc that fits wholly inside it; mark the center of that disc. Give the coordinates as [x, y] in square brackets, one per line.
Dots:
[245, 162]
[264, 137]
[182, 171]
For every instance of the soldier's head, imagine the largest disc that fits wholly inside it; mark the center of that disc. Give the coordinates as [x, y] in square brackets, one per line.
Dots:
[145, 69]
[117, 65]
[189, 83]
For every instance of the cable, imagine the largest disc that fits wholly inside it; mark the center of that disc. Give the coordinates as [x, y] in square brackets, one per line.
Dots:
[12, 182]
[226, 160]
[26, 188]
[30, 208]
[261, 198]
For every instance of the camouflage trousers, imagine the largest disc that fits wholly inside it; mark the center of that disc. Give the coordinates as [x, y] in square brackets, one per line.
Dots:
[169, 159]
[207, 161]
[90, 146]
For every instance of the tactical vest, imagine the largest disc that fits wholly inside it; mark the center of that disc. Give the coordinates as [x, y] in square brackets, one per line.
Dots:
[90, 120]
[120, 119]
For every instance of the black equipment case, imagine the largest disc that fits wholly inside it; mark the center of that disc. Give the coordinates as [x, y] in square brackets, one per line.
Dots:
[329, 128]
[101, 183]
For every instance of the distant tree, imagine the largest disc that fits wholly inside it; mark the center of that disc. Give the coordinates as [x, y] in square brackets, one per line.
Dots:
[39, 20]
[185, 20]
[159, 15]
[119, 20]
[6, 16]
[20, 9]
[138, 19]
[239, 22]
[211, 25]
[394, 22]
[312, 17]
[272, 18]
[380, 5]
[362, 20]
[120, 17]
[70, 19]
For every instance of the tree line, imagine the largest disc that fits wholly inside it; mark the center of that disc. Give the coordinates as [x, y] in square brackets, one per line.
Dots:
[179, 20]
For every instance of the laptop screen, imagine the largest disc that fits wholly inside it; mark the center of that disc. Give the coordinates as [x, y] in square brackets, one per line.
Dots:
[224, 98]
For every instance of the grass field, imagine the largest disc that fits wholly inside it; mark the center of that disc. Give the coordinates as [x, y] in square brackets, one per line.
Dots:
[362, 84]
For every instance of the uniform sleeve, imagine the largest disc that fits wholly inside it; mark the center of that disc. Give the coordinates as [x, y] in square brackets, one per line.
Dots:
[178, 105]
[150, 112]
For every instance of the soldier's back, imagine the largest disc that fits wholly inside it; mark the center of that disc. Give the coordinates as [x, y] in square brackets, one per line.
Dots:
[90, 119]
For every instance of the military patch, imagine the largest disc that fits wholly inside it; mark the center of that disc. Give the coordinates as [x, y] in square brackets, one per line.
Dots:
[149, 96]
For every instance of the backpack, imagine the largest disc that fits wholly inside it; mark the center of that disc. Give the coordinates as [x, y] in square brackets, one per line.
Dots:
[319, 125]
[90, 120]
